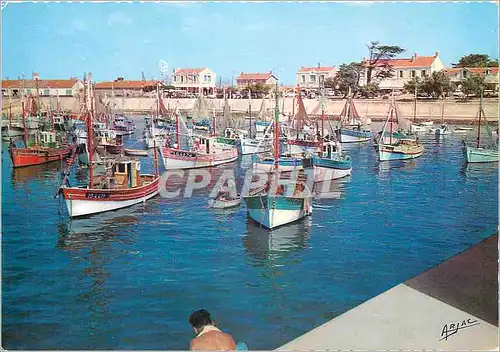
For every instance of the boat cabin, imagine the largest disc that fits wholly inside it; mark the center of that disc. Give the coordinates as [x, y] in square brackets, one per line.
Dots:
[48, 138]
[127, 174]
[330, 149]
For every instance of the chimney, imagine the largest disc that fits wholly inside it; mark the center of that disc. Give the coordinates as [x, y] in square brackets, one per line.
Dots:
[35, 76]
[436, 54]
[319, 65]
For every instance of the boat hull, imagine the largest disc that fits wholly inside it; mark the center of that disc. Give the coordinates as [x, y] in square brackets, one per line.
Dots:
[224, 204]
[85, 201]
[248, 146]
[136, 152]
[22, 157]
[114, 149]
[353, 136]
[174, 159]
[300, 146]
[326, 169]
[481, 155]
[275, 211]
[388, 153]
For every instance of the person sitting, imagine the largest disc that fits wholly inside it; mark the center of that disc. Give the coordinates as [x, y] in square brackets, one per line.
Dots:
[208, 337]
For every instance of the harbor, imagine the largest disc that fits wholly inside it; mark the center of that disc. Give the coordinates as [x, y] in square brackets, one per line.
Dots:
[247, 195]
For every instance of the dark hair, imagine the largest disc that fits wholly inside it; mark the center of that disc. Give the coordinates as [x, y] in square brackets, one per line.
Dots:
[200, 318]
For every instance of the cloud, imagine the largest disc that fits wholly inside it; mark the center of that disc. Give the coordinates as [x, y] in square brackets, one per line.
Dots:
[118, 18]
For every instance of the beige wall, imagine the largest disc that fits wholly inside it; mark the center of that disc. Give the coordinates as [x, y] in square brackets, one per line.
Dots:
[317, 74]
[197, 82]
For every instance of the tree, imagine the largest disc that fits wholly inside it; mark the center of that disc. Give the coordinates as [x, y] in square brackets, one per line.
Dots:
[476, 60]
[472, 85]
[437, 84]
[348, 77]
[409, 86]
[330, 83]
[258, 88]
[379, 57]
[370, 90]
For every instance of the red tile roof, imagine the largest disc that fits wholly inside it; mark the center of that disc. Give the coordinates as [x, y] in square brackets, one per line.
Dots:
[318, 69]
[124, 84]
[188, 71]
[40, 83]
[254, 76]
[415, 61]
[481, 71]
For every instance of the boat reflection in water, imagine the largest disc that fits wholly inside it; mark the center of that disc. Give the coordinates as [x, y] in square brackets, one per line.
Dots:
[265, 246]
[479, 170]
[332, 189]
[23, 175]
[385, 169]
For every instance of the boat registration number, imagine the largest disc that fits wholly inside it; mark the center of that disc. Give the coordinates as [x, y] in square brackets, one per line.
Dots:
[96, 195]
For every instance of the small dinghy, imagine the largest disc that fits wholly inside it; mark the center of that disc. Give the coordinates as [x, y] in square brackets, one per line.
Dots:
[136, 152]
[224, 200]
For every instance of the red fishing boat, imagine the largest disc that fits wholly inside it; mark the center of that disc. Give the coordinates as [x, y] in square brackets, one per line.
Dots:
[44, 149]
[123, 187]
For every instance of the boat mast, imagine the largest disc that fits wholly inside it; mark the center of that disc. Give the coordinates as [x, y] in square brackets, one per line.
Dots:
[10, 113]
[157, 173]
[24, 127]
[392, 110]
[276, 130]
[348, 107]
[299, 99]
[177, 139]
[479, 122]
[250, 113]
[90, 136]
[415, 105]
[214, 122]
[442, 112]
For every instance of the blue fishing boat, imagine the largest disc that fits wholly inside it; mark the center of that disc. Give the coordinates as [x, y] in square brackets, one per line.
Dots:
[352, 129]
[401, 149]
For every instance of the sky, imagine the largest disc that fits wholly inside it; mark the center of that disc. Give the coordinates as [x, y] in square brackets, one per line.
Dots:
[110, 40]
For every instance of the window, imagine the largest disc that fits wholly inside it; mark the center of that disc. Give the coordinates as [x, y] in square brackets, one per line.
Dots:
[423, 73]
[28, 91]
[205, 78]
[464, 74]
[312, 78]
[175, 78]
[45, 92]
[400, 73]
[413, 73]
[322, 78]
[69, 92]
[209, 78]
[487, 71]
[182, 79]
[303, 78]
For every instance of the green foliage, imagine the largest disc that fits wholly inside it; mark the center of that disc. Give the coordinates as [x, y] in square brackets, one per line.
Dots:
[348, 77]
[370, 90]
[330, 83]
[379, 56]
[258, 88]
[476, 60]
[436, 85]
[472, 85]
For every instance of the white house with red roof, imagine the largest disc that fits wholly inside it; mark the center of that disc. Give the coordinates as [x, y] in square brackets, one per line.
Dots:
[459, 74]
[245, 79]
[122, 87]
[312, 77]
[194, 80]
[45, 87]
[404, 70]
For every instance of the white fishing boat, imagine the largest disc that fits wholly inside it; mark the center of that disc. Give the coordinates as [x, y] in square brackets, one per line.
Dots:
[135, 152]
[224, 200]
[255, 141]
[204, 152]
[443, 129]
[427, 123]
[353, 129]
[280, 202]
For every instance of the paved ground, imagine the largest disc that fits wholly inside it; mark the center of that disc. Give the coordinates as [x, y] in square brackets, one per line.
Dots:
[453, 306]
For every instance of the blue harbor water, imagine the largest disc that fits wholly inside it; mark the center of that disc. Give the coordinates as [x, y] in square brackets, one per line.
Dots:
[130, 279]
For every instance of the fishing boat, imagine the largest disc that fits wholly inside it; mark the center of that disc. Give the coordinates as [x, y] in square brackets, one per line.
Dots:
[204, 152]
[122, 125]
[481, 151]
[228, 124]
[256, 141]
[124, 187]
[45, 148]
[135, 152]
[443, 129]
[401, 149]
[154, 133]
[279, 202]
[415, 127]
[224, 200]
[352, 128]
[330, 163]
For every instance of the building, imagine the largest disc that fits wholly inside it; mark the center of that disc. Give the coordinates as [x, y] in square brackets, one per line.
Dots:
[245, 79]
[313, 77]
[458, 74]
[194, 80]
[45, 87]
[404, 70]
[128, 88]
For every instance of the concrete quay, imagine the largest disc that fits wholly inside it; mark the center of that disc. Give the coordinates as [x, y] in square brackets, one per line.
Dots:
[451, 307]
